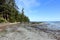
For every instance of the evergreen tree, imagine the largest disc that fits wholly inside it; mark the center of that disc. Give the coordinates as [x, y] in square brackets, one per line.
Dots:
[9, 12]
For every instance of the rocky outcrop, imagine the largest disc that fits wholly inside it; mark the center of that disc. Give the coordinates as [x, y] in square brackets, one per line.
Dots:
[23, 32]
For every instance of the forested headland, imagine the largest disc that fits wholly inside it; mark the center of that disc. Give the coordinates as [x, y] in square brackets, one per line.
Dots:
[9, 12]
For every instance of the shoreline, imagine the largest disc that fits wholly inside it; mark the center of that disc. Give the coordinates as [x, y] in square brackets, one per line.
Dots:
[4, 25]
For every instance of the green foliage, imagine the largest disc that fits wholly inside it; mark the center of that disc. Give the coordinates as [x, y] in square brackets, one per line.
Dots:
[9, 12]
[26, 19]
[2, 20]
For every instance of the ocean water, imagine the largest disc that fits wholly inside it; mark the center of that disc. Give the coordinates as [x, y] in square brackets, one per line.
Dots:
[54, 25]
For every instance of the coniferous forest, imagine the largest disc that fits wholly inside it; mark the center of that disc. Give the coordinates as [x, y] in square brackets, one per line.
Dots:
[9, 12]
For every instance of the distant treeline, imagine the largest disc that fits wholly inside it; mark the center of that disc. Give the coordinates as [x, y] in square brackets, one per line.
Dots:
[9, 12]
[36, 22]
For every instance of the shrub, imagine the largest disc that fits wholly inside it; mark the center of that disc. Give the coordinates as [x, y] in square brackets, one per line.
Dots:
[2, 20]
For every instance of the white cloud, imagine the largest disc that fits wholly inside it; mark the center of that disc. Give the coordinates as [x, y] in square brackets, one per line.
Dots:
[29, 3]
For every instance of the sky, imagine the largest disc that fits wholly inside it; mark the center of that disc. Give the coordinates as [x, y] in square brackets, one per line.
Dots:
[40, 10]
